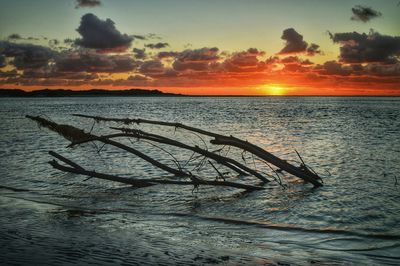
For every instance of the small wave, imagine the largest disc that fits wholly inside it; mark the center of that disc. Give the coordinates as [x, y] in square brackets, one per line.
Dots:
[286, 227]
[14, 189]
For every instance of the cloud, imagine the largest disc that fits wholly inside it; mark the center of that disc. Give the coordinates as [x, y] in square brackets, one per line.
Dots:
[139, 37]
[169, 54]
[14, 36]
[383, 70]
[367, 48]
[8, 74]
[139, 53]
[54, 43]
[52, 73]
[158, 45]
[335, 68]
[137, 78]
[26, 55]
[69, 41]
[294, 42]
[101, 35]
[2, 61]
[91, 62]
[244, 61]
[87, 3]
[197, 59]
[293, 64]
[199, 55]
[313, 49]
[364, 14]
[17, 37]
[152, 67]
[295, 60]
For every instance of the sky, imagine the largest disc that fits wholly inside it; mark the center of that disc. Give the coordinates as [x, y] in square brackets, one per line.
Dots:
[203, 47]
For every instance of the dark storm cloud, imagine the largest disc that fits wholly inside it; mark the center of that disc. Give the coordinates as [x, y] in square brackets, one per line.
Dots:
[158, 45]
[101, 34]
[87, 3]
[95, 63]
[139, 53]
[294, 42]
[367, 48]
[364, 14]
[26, 55]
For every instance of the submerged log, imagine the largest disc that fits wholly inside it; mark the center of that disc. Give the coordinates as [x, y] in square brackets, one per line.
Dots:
[307, 176]
[226, 161]
[300, 172]
[77, 169]
[79, 136]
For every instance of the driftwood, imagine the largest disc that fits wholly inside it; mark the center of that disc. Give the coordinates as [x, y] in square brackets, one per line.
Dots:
[181, 175]
[226, 161]
[78, 136]
[76, 169]
[301, 171]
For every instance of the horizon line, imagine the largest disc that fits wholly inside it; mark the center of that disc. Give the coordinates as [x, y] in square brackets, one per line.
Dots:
[163, 94]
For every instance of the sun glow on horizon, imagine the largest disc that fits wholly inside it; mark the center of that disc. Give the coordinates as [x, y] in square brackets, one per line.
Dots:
[274, 90]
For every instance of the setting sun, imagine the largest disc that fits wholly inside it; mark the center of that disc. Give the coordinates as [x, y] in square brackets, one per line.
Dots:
[274, 90]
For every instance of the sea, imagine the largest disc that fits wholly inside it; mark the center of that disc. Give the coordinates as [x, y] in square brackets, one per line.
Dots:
[50, 217]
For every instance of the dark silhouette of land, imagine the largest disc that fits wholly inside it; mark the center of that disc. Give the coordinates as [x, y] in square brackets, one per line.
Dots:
[83, 93]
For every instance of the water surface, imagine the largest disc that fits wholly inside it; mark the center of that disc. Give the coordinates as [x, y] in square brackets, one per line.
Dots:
[60, 218]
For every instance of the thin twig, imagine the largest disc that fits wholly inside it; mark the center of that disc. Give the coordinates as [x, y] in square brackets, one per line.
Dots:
[218, 172]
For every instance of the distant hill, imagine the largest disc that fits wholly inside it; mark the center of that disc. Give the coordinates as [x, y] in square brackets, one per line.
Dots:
[83, 93]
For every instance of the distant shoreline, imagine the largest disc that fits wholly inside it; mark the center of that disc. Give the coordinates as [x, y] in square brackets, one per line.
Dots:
[18, 93]
[85, 93]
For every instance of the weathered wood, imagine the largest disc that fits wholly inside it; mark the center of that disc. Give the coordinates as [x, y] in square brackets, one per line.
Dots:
[68, 132]
[65, 160]
[75, 134]
[82, 171]
[153, 122]
[219, 139]
[228, 162]
[145, 182]
[263, 154]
